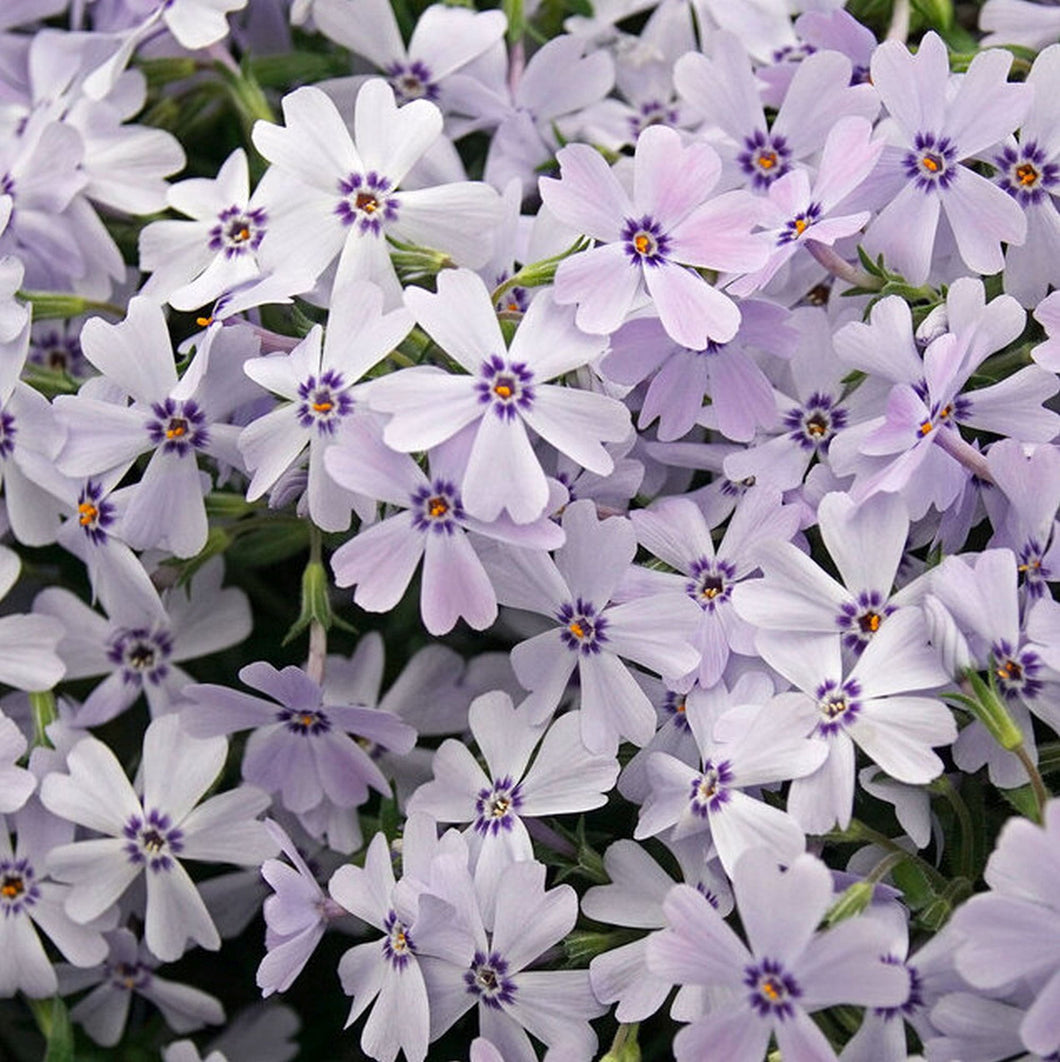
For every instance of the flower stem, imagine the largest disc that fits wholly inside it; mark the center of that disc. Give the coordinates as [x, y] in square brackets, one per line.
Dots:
[899, 27]
[946, 788]
[1041, 794]
[839, 267]
[964, 453]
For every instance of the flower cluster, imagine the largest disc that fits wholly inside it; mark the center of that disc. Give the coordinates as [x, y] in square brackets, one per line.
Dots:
[531, 491]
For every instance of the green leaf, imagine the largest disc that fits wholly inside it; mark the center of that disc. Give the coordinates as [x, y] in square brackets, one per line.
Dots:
[53, 1020]
[1023, 800]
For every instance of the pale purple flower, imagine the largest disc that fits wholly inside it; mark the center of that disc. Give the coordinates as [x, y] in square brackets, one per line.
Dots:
[29, 658]
[431, 524]
[301, 746]
[318, 380]
[564, 778]
[504, 392]
[723, 89]
[589, 633]
[333, 195]
[922, 174]
[650, 239]
[870, 707]
[128, 970]
[151, 834]
[1013, 932]
[788, 971]
[675, 531]
[388, 972]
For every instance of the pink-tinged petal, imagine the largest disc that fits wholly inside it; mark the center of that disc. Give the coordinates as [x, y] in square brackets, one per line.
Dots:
[561, 78]
[460, 318]
[504, 735]
[670, 179]
[548, 341]
[428, 406]
[380, 561]
[986, 108]
[543, 664]
[807, 660]
[692, 312]
[698, 948]
[675, 531]
[359, 334]
[913, 87]
[314, 145]
[904, 231]
[885, 346]
[743, 396]
[722, 88]
[529, 919]
[899, 732]
[718, 235]
[795, 595]
[820, 800]
[656, 632]
[1014, 406]
[362, 463]
[603, 282]
[597, 553]
[675, 393]
[503, 473]
[820, 95]
[175, 914]
[455, 585]
[729, 1032]
[178, 769]
[866, 541]
[613, 705]
[565, 776]
[588, 197]
[1005, 939]
[982, 215]
[576, 423]
[849, 156]
[167, 510]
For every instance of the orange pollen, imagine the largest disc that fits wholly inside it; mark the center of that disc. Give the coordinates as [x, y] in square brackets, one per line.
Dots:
[767, 160]
[945, 412]
[1009, 670]
[437, 507]
[243, 234]
[512, 307]
[323, 407]
[771, 990]
[642, 242]
[932, 163]
[306, 719]
[204, 322]
[87, 513]
[1026, 174]
[176, 430]
[576, 629]
[872, 621]
[711, 592]
[12, 887]
[925, 428]
[502, 390]
[367, 202]
[801, 225]
[680, 707]
[1034, 565]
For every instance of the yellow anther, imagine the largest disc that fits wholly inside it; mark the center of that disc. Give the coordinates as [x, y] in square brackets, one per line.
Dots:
[767, 160]
[12, 888]
[87, 513]
[642, 242]
[367, 202]
[925, 427]
[437, 507]
[932, 163]
[204, 322]
[576, 629]
[502, 390]
[1026, 174]
[801, 225]
[177, 429]
[323, 407]
[307, 719]
[871, 621]
[771, 990]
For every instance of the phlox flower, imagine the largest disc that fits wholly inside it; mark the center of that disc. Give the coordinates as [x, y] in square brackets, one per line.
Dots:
[922, 174]
[336, 195]
[770, 985]
[444, 40]
[504, 392]
[128, 969]
[432, 525]
[318, 381]
[650, 239]
[29, 659]
[151, 834]
[871, 707]
[302, 746]
[563, 778]
[589, 633]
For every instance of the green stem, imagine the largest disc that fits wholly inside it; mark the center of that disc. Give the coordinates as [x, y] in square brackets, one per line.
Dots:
[858, 831]
[1041, 794]
[42, 704]
[946, 788]
[318, 635]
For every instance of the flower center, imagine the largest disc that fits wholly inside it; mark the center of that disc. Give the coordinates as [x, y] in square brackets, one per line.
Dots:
[152, 841]
[645, 242]
[178, 427]
[323, 402]
[1017, 671]
[711, 582]
[813, 425]
[1026, 173]
[506, 386]
[838, 705]
[141, 654]
[932, 163]
[238, 232]
[129, 975]
[304, 721]
[411, 81]
[486, 978]
[398, 946]
[582, 630]
[709, 790]
[368, 201]
[18, 888]
[764, 158]
[437, 507]
[772, 989]
[496, 808]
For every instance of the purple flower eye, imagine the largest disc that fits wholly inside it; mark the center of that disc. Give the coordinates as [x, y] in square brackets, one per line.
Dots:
[932, 162]
[645, 242]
